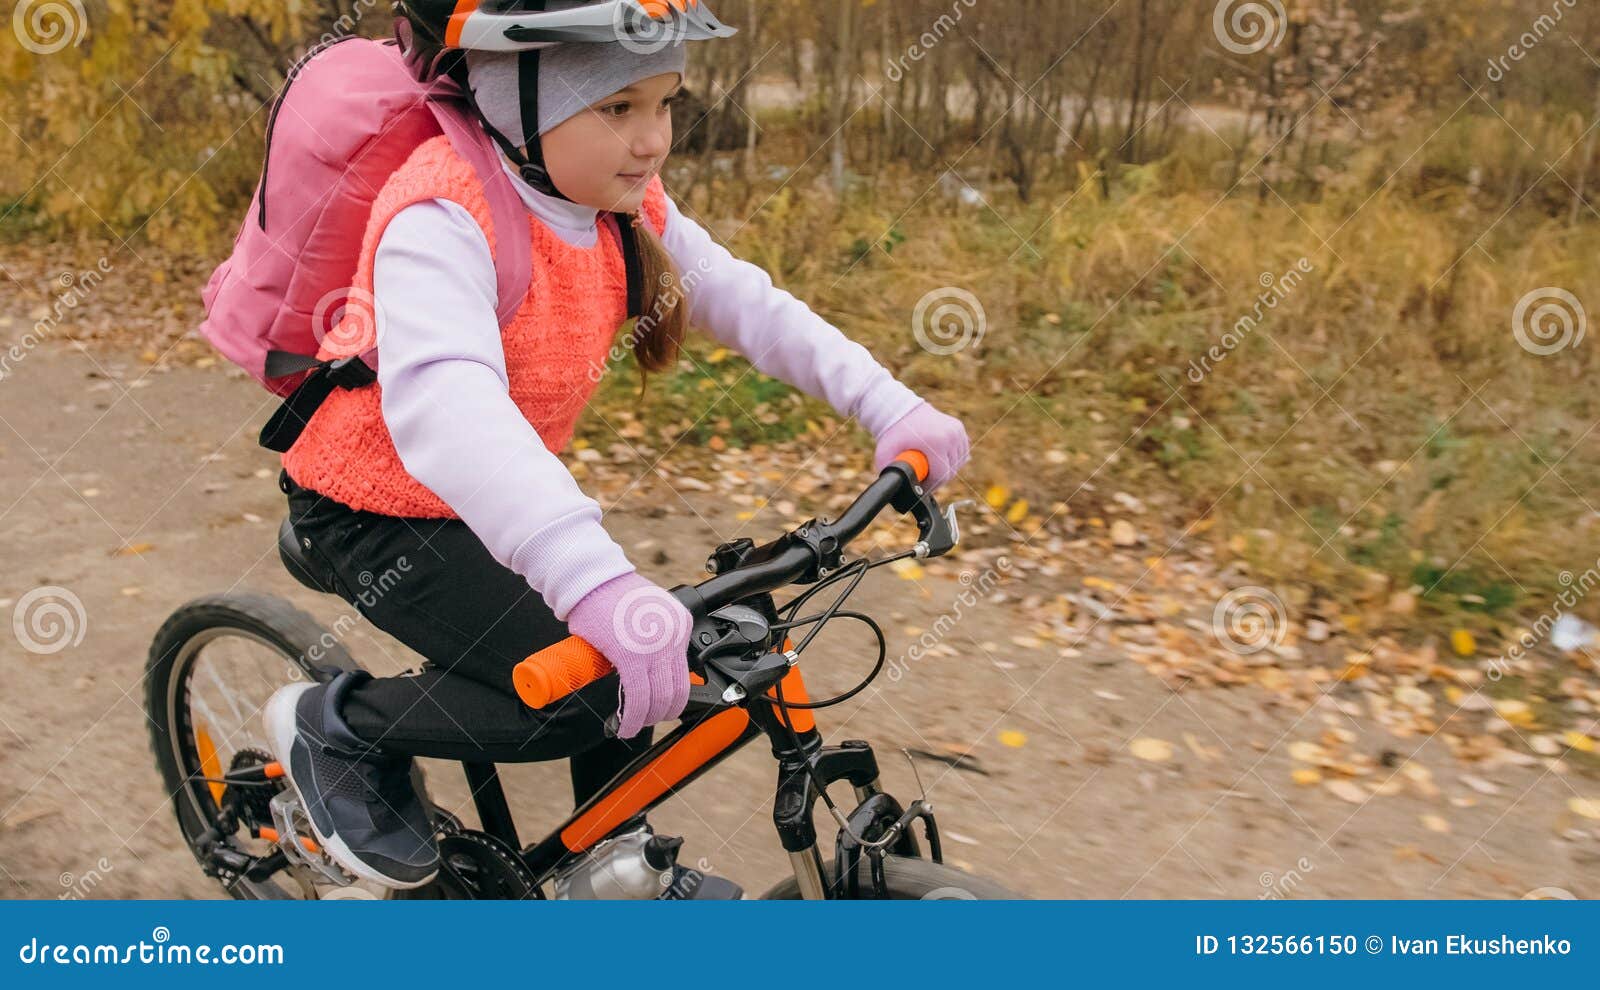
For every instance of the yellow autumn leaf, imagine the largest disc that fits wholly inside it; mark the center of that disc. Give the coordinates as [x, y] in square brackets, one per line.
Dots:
[1017, 512]
[1154, 750]
[1306, 776]
[718, 356]
[908, 569]
[1587, 807]
[1516, 712]
[997, 496]
[1013, 738]
[1307, 752]
[1578, 741]
[1463, 643]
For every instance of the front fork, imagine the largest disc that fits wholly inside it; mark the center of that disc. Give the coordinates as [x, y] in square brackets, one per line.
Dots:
[807, 863]
[878, 819]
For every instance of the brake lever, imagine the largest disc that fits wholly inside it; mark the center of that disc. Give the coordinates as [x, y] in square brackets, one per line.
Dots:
[939, 533]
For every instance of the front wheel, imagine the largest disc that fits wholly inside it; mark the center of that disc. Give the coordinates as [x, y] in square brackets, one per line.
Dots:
[912, 880]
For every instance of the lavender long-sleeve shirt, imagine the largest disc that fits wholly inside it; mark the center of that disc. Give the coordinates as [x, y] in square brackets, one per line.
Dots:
[446, 399]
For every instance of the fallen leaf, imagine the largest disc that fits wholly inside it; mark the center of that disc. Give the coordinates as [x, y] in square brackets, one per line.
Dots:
[1307, 752]
[1123, 534]
[1463, 643]
[1587, 807]
[1154, 750]
[1306, 776]
[1578, 741]
[1347, 790]
[133, 549]
[1545, 745]
[908, 569]
[1516, 712]
[1013, 738]
[1200, 749]
[1434, 823]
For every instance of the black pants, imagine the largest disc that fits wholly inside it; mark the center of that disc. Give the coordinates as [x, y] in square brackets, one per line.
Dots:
[431, 584]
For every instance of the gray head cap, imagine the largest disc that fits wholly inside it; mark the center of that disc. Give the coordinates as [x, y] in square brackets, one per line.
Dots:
[572, 77]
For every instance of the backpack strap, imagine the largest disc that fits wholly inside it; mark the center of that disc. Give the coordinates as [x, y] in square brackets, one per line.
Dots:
[513, 252]
[512, 269]
[291, 417]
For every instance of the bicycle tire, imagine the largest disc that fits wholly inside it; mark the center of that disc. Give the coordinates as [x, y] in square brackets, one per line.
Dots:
[271, 620]
[912, 880]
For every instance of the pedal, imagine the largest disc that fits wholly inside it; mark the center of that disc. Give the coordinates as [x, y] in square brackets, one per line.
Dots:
[295, 838]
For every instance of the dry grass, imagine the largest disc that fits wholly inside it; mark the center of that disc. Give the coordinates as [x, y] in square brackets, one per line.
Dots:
[1380, 429]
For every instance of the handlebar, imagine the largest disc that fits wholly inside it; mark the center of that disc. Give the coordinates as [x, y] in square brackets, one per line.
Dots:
[808, 553]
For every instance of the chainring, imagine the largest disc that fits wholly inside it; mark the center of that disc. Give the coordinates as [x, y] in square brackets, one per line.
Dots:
[476, 866]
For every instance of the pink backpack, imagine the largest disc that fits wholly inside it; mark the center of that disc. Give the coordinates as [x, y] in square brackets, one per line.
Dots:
[350, 113]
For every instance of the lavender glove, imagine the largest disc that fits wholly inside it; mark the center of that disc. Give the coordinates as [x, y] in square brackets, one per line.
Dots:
[644, 631]
[942, 438]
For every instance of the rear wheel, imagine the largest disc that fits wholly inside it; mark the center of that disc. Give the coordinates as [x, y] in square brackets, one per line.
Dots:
[213, 665]
[912, 880]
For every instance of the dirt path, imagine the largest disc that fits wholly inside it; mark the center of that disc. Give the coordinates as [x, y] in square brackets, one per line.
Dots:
[99, 458]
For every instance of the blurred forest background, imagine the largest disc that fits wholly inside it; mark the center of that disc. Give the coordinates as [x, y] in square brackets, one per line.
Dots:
[1300, 282]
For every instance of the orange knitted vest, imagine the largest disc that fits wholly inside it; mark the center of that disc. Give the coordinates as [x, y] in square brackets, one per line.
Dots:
[577, 300]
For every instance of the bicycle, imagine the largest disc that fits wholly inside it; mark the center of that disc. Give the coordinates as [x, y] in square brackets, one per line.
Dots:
[247, 829]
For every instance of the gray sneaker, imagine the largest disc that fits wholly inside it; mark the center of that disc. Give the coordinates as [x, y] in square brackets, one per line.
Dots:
[361, 802]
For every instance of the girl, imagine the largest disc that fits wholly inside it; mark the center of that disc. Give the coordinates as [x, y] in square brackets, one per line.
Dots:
[444, 473]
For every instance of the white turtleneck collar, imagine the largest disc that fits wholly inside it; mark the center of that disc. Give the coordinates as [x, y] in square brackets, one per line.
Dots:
[573, 221]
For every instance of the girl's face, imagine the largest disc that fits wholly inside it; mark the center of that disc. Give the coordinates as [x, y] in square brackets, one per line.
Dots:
[604, 156]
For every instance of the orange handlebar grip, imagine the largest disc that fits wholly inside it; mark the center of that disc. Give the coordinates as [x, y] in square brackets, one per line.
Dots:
[918, 461]
[557, 671]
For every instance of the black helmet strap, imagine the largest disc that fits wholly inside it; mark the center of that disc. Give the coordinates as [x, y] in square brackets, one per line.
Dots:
[531, 166]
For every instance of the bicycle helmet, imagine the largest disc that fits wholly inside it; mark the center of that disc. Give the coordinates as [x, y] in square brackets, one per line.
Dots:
[435, 35]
